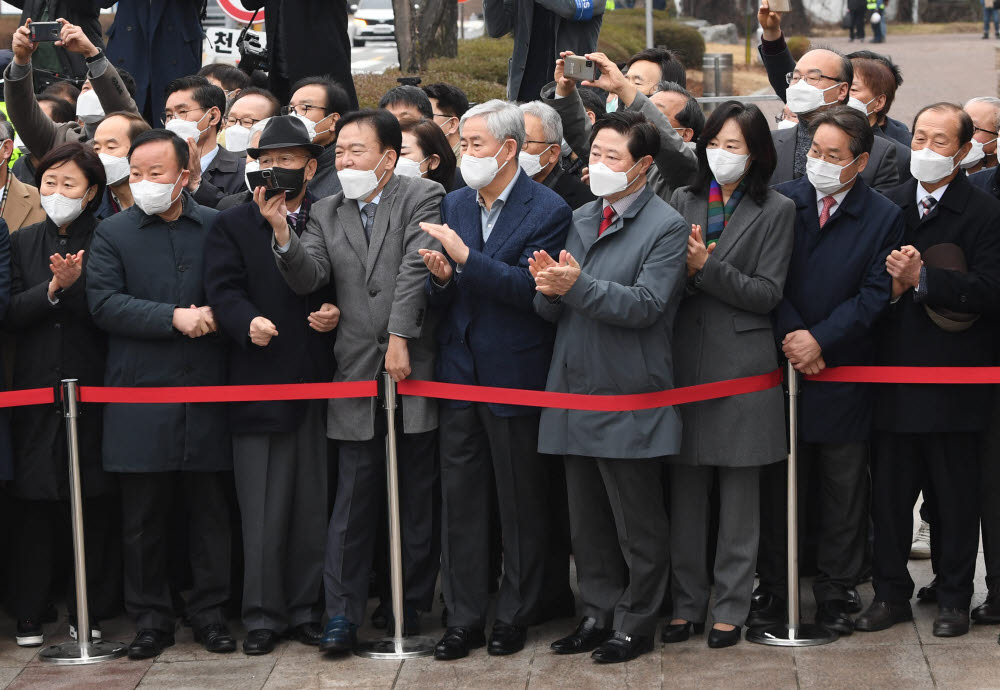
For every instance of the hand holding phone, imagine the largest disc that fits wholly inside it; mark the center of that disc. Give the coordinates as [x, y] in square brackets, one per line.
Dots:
[579, 68]
[44, 32]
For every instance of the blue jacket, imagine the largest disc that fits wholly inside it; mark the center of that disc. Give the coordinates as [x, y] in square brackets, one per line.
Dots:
[489, 334]
[837, 288]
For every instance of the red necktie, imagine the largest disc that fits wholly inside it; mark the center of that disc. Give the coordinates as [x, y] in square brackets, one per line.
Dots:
[824, 215]
[609, 213]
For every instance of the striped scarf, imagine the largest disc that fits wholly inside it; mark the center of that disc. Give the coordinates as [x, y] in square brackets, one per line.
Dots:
[719, 213]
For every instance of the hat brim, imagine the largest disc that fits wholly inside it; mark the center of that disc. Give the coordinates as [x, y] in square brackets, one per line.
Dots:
[952, 325]
[314, 149]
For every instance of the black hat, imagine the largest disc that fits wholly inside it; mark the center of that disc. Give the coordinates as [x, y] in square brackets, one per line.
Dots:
[282, 132]
[950, 257]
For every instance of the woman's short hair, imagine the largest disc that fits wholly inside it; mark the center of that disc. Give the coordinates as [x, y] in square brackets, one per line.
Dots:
[85, 158]
[431, 141]
[753, 126]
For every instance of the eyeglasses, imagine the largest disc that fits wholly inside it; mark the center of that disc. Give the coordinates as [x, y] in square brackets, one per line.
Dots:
[283, 160]
[812, 77]
[247, 122]
[988, 131]
[166, 117]
[301, 109]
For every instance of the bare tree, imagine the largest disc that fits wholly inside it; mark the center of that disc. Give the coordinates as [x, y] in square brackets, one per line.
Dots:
[425, 29]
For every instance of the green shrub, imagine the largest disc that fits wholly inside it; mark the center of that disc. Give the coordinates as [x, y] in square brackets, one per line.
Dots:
[797, 46]
[483, 59]
[623, 34]
[371, 87]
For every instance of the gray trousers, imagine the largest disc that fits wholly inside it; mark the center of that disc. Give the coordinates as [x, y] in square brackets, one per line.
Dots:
[736, 549]
[281, 487]
[482, 453]
[351, 537]
[619, 532]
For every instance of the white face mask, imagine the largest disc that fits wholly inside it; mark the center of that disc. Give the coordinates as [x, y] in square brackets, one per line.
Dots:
[728, 167]
[802, 97]
[612, 105]
[862, 108]
[61, 209]
[409, 168]
[252, 166]
[153, 198]
[930, 166]
[186, 129]
[787, 124]
[237, 138]
[116, 168]
[479, 172]
[531, 163]
[825, 177]
[310, 125]
[88, 107]
[604, 181]
[976, 154]
[358, 184]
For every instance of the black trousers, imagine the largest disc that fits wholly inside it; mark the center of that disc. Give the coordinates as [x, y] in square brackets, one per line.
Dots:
[857, 23]
[47, 541]
[150, 503]
[902, 464]
[840, 472]
[557, 595]
[989, 494]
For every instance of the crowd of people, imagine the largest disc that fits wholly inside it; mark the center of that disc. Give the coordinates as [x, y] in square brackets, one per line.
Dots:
[602, 238]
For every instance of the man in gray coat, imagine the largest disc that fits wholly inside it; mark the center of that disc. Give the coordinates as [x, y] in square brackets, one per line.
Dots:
[614, 294]
[144, 262]
[365, 240]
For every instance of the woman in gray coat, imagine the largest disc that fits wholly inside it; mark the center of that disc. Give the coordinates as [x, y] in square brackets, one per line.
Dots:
[614, 294]
[738, 253]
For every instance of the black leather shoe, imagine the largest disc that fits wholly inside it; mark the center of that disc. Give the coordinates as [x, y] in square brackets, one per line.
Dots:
[260, 641]
[585, 638]
[988, 613]
[832, 615]
[307, 633]
[951, 622]
[216, 638]
[622, 647]
[506, 639]
[680, 632]
[717, 639]
[340, 635]
[380, 617]
[456, 643]
[882, 615]
[411, 622]
[853, 601]
[928, 594]
[765, 610]
[149, 643]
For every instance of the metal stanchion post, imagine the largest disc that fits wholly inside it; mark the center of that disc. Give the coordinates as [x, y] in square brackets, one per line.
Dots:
[84, 650]
[396, 647]
[794, 633]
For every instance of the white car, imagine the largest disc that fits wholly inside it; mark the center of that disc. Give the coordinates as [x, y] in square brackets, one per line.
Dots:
[373, 20]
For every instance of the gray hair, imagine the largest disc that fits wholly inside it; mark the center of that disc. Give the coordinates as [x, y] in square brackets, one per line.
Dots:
[691, 115]
[989, 100]
[552, 128]
[503, 120]
[6, 130]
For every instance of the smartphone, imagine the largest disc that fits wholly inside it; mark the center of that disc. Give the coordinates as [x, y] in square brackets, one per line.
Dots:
[266, 179]
[779, 5]
[44, 32]
[579, 68]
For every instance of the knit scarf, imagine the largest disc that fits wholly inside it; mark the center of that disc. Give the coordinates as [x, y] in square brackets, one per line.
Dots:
[719, 213]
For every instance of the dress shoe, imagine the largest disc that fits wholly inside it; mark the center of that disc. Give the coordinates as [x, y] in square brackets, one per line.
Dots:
[988, 613]
[260, 641]
[717, 639]
[622, 647]
[411, 622]
[339, 635]
[951, 622]
[506, 639]
[307, 633]
[928, 594]
[456, 643]
[680, 632]
[380, 617]
[149, 643]
[853, 600]
[767, 610]
[882, 615]
[832, 615]
[216, 638]
[585, 638]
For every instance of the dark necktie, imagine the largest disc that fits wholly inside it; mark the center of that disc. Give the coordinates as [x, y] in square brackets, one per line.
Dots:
[926, 204]
[368, 218]
[606, 220]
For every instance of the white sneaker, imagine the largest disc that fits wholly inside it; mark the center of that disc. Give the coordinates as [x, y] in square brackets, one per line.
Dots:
[95, 632]
[921, 546]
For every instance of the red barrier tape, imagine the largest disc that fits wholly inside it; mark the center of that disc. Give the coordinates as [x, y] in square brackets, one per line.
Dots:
[595, 403]
[29, 396]
[943, 375]
[204, 394]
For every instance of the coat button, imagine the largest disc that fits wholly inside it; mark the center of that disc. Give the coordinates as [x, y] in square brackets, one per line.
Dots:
[381, 340]
[58, 325]
[128, 28]
[182, 267]
[62, 242]
[373, 293]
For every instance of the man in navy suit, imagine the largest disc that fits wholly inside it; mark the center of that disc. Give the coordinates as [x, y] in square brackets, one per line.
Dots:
[836, 289]
[489, 335]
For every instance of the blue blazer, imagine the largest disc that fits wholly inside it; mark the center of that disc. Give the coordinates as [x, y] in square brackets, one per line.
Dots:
[837, 288]
[489, 334]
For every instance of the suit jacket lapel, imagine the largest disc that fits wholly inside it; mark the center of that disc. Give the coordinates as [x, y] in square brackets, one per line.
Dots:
[349, 218]
[586, 220]
[511, 215]
[743, 217]
[380, 224]
[784, 144]
[17, 204]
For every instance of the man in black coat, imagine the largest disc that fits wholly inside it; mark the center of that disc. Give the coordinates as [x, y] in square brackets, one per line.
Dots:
[302, 34]
[539, 158]
[946, 292]
[279, 448]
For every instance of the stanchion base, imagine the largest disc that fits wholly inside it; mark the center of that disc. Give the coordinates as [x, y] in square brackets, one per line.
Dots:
[70, 653]
[396, 648]
[784, 635]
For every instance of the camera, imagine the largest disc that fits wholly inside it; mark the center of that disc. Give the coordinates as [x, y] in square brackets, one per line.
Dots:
[253, 51]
